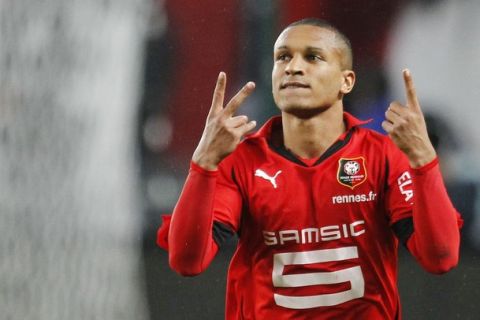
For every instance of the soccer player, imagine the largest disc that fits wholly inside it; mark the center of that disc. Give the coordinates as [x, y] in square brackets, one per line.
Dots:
[319, 203]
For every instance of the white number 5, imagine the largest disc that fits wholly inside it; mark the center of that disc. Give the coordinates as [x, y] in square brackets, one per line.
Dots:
[353, 275]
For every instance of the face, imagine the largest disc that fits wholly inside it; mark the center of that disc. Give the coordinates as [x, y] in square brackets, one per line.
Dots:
[307, 72]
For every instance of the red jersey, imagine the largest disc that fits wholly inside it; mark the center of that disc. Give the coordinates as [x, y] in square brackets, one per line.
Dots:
[319, 241]
[315, 242]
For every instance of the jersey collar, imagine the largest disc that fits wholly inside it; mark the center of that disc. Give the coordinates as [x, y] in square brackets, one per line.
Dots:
[266, 130]
[275, 123]
[352, 121]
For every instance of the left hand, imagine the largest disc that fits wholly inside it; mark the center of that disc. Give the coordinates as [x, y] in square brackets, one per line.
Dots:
[405, 125]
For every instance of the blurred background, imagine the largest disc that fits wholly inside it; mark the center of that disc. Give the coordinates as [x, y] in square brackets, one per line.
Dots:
[102, 104]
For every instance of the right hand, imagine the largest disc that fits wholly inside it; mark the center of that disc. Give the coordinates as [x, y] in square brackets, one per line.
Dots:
[223, 131]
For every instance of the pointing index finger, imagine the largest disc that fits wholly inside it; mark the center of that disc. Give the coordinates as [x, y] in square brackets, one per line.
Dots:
[412, 100]
[218, 94]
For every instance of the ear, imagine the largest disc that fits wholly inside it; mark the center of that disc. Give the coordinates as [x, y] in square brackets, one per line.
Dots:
[348, 81]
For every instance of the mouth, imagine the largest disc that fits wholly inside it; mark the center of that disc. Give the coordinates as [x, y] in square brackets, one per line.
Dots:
[294, 85]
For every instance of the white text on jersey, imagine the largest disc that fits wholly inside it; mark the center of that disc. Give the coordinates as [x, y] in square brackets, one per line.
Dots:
[314, 235]
[351, 198]
[405, 185]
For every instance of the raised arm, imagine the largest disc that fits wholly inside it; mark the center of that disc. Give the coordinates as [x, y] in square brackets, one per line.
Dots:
[190, 242]
[436, 239]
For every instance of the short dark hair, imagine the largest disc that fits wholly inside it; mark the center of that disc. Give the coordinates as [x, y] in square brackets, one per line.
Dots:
[348, 64]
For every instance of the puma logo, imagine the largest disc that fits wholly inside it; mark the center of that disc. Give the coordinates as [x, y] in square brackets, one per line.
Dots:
[260, 173]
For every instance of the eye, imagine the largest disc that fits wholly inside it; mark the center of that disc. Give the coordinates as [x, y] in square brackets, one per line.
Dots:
[314, 57]
[282, 57]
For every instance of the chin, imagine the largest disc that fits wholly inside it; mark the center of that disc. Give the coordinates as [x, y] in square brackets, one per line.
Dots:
[302, 111]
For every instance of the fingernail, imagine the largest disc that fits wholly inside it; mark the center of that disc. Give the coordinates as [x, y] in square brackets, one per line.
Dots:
[407, 72]
[251, 84]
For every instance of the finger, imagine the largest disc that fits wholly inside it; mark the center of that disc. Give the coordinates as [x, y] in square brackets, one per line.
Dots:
[396, 107]
[237, 121]
[246, 127]
[412, 100]
[387, 126]
[392, 116]
[218, 94]
[238, 99]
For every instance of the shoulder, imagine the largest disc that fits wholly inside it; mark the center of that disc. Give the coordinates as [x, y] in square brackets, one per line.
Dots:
[376, 139]
[371, 136]
[251, 150]
[386, 150]
[371, 141]
[251, 147]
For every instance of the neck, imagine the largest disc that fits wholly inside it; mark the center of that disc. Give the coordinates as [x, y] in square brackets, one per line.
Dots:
[311, 137]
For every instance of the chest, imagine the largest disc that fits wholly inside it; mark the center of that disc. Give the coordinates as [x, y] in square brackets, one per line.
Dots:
[338, 194]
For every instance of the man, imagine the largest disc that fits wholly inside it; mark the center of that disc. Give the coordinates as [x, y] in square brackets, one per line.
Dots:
[318, 202]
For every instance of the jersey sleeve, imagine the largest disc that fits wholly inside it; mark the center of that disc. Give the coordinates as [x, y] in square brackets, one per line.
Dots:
[435, 242]
[206, 214]
[421, 213]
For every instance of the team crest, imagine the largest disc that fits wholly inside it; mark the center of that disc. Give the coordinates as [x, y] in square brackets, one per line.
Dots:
[351, 171]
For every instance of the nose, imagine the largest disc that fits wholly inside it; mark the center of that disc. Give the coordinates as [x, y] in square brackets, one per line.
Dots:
[295, 66]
